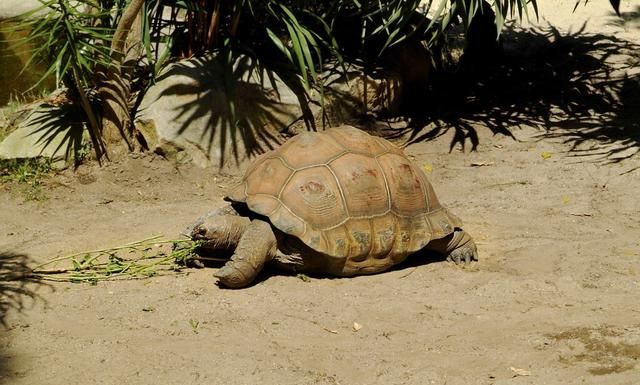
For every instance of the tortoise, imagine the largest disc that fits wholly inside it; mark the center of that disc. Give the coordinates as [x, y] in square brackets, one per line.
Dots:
[339, 202]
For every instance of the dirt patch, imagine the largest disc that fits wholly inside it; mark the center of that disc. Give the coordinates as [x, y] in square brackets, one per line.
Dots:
[608, 349]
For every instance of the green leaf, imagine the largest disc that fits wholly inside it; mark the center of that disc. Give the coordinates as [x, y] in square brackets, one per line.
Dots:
[438, 13]
[276, 40]
[298, 55]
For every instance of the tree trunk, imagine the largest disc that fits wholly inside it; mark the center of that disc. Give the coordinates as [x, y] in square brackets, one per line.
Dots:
[115, 88]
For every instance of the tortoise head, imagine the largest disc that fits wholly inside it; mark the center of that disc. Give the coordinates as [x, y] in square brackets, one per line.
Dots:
[220, 232]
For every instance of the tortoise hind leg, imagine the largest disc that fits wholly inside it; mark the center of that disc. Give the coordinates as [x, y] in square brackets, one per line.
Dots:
[256, 246]
[458, 246]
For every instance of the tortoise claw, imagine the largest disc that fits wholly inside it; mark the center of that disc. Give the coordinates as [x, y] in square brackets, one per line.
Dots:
[464, 255]
[195, 262]
[231, 277]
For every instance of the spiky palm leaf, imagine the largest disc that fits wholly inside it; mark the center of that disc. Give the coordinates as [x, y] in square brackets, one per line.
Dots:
[71, 44]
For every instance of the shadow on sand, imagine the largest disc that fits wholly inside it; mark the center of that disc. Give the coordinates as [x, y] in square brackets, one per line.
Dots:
[17, 293]
[579, 87]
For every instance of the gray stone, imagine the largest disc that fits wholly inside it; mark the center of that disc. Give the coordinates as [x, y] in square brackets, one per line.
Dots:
[43, 132]
[12, 8]
[198, 112]
[350, 94]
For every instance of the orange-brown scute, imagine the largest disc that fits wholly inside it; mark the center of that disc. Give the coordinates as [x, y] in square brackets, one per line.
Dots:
[349, 195]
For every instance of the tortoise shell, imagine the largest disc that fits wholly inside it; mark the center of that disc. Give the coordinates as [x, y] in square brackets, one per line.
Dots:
[348, 195]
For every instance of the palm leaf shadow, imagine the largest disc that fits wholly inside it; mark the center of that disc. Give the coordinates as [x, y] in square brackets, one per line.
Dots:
[576, 86]
[16, 284]
[57, 129]
[239, 104]
[17, 293]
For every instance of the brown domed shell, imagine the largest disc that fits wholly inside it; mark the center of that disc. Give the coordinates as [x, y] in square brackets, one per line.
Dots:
[348, 194]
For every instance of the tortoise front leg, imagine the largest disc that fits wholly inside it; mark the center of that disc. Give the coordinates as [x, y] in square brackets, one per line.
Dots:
[257, 246]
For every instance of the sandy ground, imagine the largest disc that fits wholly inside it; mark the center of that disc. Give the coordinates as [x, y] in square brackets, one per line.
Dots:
[552, 202]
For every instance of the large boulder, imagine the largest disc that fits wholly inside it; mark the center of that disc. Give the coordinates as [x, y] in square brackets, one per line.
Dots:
[200, 111]
[12, 8]
[44, 130]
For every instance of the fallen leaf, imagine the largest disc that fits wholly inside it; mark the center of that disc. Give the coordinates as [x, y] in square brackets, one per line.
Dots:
[194, 325]
[303, 277]
[480, 164]
[520, 372]
[427, 167]
[356, 326]
[566, 199]
[545, 155]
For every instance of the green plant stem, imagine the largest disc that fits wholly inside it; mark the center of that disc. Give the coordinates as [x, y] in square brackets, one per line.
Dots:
[106, 264]
[101, 251]
[94, 127]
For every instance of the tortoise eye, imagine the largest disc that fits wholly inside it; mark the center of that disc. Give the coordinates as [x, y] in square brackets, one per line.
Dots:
[201, 231]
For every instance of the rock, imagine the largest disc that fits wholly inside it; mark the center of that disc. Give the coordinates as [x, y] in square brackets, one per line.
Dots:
[347, 94]
[345, 97]
[12, 8]
[200, 112]
[45, 131]
[197, 112]
[412, 64]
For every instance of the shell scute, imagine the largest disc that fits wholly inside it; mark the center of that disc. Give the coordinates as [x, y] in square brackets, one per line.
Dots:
[406, 187]
[286, 221]
[264, 204]
[359, 239]
[309, 149]
[313, 194]
[337, 241]
[356, 141]
[268, 177]
[384, 233]
[362, 184]
[420, 232]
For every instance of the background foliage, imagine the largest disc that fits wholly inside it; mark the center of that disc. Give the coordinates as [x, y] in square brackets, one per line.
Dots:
[87, 43]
